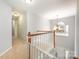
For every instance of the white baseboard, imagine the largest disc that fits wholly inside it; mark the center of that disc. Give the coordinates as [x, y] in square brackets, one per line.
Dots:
[5, 51]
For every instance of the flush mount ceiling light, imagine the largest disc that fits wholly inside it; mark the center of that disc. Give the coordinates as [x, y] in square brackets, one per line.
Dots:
[15, 13]
[28, 1]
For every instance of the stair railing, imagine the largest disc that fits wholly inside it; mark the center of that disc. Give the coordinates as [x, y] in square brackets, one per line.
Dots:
[38, 42]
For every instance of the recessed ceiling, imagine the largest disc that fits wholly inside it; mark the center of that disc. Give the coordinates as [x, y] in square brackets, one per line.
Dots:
[47, 8]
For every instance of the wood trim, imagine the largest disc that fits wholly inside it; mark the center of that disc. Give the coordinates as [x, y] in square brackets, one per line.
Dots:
[75, 57]
[29, 37]
[54, 39]
[40, 33]
[44, 31]
[29, 40]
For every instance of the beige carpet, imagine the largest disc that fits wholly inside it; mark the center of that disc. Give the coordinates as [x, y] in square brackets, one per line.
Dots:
[18, 51]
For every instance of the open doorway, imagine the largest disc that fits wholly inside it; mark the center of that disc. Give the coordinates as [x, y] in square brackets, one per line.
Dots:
[15, 24]
[16, 27]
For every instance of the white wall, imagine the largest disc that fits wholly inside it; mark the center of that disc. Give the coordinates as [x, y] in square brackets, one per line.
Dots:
[36, 22]
[66, 41]
[77, 31]
[23, 26]
[5, 27]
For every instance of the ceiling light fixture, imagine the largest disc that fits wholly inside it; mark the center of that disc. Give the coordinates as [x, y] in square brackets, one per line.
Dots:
[28, 1]
[15, 13]
[59, 27]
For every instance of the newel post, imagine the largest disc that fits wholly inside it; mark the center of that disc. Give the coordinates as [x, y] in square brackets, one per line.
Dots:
[54, 38]
[29, 40]
[29, 37]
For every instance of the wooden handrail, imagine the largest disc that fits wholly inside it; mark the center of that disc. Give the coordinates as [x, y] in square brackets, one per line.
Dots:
[35, 34]
[40, 33]
[44, 31]
[75, 57]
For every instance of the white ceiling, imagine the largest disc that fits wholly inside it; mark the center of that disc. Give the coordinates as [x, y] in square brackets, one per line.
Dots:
[46, 8]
